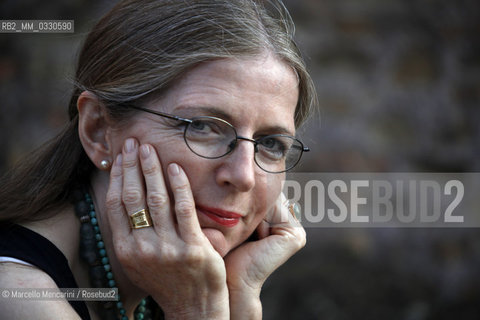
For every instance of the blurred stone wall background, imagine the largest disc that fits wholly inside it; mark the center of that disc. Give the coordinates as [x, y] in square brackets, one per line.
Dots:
[399, 89]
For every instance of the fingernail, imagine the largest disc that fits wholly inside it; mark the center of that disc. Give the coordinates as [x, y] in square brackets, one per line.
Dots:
[145, 151]
[130, 145]
[173, 169]
[118, 161]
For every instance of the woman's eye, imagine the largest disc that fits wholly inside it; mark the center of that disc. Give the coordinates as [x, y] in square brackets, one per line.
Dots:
[275, 147]
[270, 143]
[198, 125]
[205, 127]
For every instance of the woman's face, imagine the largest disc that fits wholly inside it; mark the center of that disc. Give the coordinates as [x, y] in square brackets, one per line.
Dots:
[258, 97]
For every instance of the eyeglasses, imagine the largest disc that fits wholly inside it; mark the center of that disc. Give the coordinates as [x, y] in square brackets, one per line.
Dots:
[212, 138]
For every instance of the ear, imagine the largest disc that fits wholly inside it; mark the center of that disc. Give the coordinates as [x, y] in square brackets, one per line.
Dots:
[93, 130]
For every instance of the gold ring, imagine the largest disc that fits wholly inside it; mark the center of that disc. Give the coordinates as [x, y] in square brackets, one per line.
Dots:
[140, 219]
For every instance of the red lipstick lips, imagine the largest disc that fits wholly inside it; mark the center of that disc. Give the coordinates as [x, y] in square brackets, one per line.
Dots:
[222, 217]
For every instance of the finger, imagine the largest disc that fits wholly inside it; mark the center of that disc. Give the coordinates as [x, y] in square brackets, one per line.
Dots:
[285, 216]
[263, 230]
[187, 219]
[281, 218]
[116, 214]
[157, 196]
[133, 184]
[292, 233]
[280, 212]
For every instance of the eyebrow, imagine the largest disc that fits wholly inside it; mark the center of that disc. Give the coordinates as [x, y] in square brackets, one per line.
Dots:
[216, 112]
[203, 111]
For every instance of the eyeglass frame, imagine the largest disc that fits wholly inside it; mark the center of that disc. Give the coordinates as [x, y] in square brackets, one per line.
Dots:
[255, 142]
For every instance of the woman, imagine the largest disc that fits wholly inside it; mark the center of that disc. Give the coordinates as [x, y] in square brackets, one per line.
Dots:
[182, 126]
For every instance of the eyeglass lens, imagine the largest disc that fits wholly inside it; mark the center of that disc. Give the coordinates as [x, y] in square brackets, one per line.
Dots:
[213, 138]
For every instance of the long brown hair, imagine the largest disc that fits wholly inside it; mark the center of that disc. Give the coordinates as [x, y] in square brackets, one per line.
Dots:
[134, 53]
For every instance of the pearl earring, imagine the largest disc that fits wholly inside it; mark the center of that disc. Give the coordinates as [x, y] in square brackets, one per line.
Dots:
[105, 164]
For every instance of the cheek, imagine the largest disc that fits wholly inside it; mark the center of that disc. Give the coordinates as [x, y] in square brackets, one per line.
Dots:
[265, 196]
[269, 190]
[172, 152]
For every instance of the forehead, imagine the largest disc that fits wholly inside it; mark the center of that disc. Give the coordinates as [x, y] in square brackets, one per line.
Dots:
[251, 91]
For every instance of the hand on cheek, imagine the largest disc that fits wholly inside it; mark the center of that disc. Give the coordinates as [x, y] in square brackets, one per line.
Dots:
[280, 236]
[172, 260]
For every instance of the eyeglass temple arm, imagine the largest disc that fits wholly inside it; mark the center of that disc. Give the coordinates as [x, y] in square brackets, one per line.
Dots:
[304, 149]
[158, 113]
[170, 116]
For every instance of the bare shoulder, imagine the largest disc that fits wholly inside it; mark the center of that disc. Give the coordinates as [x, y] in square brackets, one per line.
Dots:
[15, 305]
[15, 275]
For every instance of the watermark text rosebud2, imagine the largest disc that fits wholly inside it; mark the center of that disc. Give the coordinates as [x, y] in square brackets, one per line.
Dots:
[386, 199]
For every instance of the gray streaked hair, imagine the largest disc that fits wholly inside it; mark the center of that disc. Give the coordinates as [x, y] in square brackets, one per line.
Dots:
[135, 53]
[140, 47]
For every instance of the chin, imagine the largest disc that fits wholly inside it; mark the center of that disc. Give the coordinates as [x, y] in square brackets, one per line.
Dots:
[217, 240]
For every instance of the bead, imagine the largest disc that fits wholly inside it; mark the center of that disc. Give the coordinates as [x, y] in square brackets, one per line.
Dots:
[88, 245]
[81, 208]
[97, 273]
[92, 248]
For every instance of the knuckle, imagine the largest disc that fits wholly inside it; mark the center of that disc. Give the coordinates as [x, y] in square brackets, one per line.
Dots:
[150, 170]
[146, 250]
[129, 162]
[184, 207]
[170, 256]
[297, 239]
[192, 256]
[116, 172]
[113, 200]
[182, 188]
[301, 238]
[157, 200]
[302, 242]
[132, 196]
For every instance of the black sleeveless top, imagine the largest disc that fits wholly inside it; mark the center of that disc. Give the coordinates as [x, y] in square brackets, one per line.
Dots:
[27, 245]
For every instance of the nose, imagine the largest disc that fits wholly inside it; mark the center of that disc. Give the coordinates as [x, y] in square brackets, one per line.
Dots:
[238, 168]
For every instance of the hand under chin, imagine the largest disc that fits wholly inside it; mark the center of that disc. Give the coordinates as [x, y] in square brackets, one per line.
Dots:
[217, 240]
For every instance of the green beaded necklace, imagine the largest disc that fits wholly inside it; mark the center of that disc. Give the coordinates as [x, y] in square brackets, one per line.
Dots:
[92, 251]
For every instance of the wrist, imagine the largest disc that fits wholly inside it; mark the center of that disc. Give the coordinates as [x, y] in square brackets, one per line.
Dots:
[245, 304]
[211, 307]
